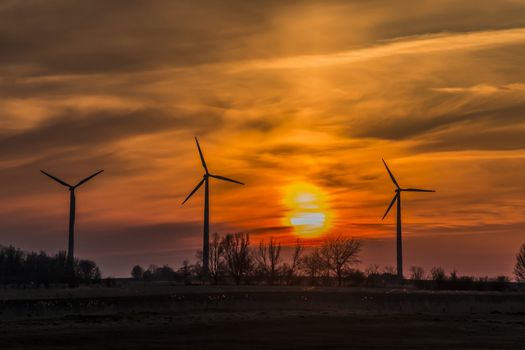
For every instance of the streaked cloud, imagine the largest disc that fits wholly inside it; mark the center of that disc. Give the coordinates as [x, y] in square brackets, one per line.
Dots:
[279, 93]
[413, 45]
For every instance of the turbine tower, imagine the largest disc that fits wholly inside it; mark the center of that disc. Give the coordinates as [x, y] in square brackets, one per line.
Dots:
[397, 198]
[71, 241]
[205, 180]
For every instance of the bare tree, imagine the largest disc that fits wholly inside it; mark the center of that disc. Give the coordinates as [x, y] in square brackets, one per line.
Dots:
[216, 262]
[417, 273]
[268, 258]
[312, 264]
[519, 268]
[390, 270]
[437, 273]
[290, 270]
[216, 259]
[339, 254]
[372, 270]
[217, 266]
[236, 248]
[185, 271]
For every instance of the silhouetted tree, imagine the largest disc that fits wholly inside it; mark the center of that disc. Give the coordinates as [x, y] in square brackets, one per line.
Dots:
[21, 268]
[137, 272]
[217, 265]
[58, 267]
[519, 268]
[355, 276]
[339, 254]
[289, 271]
[372, 270]
[12, 265]
[389, 270]
[312, 265]
[437, 273]
[147, 275]
[87, 271]
[417, 273]
[164, 273]
[239, 262]
[185, 271]
[268, 258]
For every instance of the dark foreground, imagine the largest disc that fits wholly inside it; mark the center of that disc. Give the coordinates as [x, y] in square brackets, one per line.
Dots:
[261, 318]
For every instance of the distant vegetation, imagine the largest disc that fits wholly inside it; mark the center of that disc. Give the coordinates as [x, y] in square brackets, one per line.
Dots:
[33, 269]
[233, 260]
[519, 269]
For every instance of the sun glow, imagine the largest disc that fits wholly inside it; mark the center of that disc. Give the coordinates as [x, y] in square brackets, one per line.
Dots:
[308, 212]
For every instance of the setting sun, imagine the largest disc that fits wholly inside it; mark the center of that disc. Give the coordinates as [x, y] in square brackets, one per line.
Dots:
[308, 209]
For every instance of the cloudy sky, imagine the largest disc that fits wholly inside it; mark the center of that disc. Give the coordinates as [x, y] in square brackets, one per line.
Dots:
[294, 98]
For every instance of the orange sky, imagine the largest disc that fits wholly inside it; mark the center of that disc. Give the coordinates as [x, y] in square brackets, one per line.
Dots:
[279, 93]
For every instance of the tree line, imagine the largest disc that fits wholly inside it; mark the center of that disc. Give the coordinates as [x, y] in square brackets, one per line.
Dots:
[232, 259]
[34, 269]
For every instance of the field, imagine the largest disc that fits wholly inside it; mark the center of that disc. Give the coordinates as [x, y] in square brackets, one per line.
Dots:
[205, 317]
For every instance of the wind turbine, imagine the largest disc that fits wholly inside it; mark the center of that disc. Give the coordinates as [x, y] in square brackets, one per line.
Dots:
[205, 180]
[71, 241]
[397, 198]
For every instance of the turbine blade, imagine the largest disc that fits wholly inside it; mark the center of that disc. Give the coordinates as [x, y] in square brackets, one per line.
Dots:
[56, 179]
[390, 173]
[202, 157]
[226, 179]
[194, 190]
[390, 206]
[416, 190]
[88, 178]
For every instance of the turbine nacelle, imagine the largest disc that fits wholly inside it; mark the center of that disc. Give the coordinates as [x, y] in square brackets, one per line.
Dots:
[207, 174]
[70, 187]
[398, 190]
[397, 199]
[206, 231]
[71, 241]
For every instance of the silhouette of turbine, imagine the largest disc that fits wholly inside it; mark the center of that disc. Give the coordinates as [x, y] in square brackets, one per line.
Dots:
[397, 198]
[71, 241]
[205, 181]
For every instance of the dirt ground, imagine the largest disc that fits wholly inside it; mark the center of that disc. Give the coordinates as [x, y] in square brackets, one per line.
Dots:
[259, 318]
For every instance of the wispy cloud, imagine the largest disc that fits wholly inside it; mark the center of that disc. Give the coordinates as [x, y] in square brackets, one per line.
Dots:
[279, 92]
[417, 44]
[482, 89]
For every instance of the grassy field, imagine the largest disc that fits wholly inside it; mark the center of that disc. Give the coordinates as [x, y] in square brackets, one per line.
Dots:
[206, 317]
